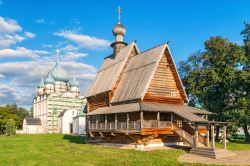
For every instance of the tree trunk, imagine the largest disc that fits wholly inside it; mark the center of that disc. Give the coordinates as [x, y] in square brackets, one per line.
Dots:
[217, 133]
[247, 135]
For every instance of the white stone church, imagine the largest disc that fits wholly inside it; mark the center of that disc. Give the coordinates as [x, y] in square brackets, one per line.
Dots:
[58, 106]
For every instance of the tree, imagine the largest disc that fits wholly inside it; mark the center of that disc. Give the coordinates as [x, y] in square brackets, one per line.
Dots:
[12, 112]
[212, 79]
[10, 127]
[245, 81]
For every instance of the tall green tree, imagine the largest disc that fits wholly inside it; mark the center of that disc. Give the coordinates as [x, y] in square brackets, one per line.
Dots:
[211, 78]
[245, 81]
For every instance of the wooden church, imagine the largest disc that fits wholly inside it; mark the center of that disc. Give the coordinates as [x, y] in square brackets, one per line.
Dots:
[137, 99]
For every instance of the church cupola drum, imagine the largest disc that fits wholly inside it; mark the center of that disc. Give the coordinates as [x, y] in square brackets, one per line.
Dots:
[119, 31]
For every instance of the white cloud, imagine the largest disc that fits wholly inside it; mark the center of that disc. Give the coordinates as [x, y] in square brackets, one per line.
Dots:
[69, 48]
[24, 76]
[29, 35]
[21, 52]
[9, 26]
[85, 41]
[40, 21]
[9, 39]
[74, 55]
[11, 33]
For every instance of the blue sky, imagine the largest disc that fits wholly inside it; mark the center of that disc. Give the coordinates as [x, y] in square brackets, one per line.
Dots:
[31, 31]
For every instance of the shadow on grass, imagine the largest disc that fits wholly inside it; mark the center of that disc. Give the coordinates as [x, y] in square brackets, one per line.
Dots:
[78, 139]
[239, 142]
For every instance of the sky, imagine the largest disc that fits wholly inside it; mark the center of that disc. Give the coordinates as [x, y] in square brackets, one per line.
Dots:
[31, 32]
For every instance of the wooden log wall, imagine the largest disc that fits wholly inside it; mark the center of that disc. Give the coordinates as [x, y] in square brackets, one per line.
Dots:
[122, 117]
[164, 86]
[150, 115]
[100, 100]
[134, 116]
[165, 117]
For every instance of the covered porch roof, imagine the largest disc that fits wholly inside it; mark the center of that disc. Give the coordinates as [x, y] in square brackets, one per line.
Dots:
[183, 111]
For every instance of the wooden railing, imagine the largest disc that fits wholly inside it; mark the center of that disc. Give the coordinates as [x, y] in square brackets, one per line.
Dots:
[166, 124]
[183, 134]
[132, 125]
[121, 126]
[150, 124]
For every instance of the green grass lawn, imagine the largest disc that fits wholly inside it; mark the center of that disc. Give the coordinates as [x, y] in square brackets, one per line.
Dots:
[70, 150]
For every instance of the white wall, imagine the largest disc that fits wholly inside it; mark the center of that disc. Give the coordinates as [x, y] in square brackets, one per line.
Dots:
[66, 120]
[79, 125]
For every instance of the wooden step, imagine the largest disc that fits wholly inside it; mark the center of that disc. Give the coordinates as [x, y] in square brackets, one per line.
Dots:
[212, 153]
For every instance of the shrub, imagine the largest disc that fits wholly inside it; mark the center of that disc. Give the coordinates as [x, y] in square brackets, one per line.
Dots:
[10, 127]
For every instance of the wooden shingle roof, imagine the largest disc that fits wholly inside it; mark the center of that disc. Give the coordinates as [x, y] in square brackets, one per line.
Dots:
[138, 75]
[186, 112]
[110, 71]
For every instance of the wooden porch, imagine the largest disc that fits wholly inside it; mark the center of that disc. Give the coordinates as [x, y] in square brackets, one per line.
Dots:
[147, 123]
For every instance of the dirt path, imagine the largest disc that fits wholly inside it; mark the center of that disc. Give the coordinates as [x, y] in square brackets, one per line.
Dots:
[242, 158]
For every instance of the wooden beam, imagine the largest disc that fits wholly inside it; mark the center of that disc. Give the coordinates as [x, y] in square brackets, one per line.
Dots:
[207, 140]
[127, 122]
[212, 136]
[141, 119]
[115, 121]
[225, 137]
[196, 137]
[91, 135]
[101, 134]
[96, 121]
[105, 125]
[158, 119]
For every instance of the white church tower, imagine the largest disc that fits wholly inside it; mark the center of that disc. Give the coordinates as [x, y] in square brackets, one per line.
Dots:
[57, 94]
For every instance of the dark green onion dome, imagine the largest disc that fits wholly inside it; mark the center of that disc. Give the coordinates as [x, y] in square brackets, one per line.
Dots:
[58, 73]
[41, 84]
[74, 83]
[49, 79]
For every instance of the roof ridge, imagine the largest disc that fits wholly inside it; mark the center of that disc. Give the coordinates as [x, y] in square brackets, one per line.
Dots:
[117, 61]
[152, 48]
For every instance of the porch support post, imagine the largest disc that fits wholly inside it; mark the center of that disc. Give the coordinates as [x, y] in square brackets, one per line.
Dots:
[172, 119]
[105, 125]
[141, 119]
[96, 122]
[115, 121]
[212, 136]
[88, 119]
[158, 119]
[196, 136]
[225, 137]
[127, 122]
[207, 140]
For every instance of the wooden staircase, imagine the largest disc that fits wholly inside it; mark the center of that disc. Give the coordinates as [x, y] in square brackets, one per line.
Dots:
[212, 153]
[184, 135]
